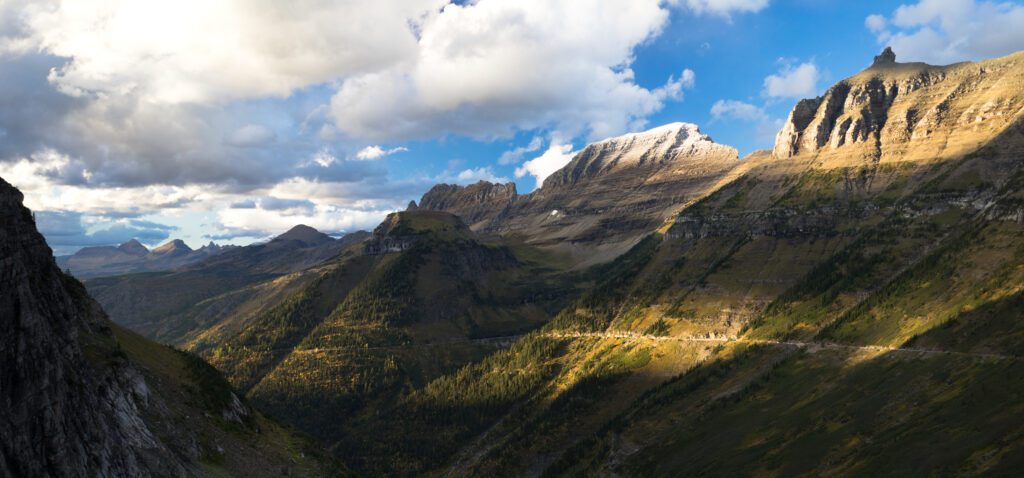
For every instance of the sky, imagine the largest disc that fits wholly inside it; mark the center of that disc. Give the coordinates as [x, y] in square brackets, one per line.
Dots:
[234, 120]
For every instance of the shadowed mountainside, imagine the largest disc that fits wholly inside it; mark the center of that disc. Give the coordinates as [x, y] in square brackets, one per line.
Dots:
[174, 306]
[83, 397]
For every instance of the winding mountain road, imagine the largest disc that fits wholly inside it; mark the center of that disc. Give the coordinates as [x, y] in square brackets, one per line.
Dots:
[812, 346]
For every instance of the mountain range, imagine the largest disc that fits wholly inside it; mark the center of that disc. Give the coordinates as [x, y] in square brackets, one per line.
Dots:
[132, 256]
[847, 303]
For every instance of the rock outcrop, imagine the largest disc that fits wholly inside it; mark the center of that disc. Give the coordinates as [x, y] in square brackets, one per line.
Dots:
[477, 203]
[60, 416]
[887, 57]
[884, 112]
[401, 231]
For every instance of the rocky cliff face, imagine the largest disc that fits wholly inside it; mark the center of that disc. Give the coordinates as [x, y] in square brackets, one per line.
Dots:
[894, 109]
[476, 203]
[611, 193]
[77, 400]
[62, 416]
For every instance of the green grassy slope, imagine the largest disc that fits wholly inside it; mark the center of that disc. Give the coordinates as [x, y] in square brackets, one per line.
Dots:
[427, 298]
[821, 320]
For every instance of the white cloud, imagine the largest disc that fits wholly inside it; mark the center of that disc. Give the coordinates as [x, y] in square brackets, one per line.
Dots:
[323, 158]
[555, 158]
[875, 23]
[515, 155]
[734, 109]
[673, 88]
[183, 108]
[800, 81]
[765, 127]
[519, 64]
[324, 217]
[42, 179]
[948, 31]
[725, 7]
[473, 175]
[375, 152]
[204, 50]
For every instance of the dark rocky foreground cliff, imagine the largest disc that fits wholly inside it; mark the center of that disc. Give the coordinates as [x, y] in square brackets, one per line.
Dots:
[82, 397]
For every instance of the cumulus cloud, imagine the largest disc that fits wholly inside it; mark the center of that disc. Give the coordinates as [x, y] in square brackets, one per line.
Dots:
[800, 81]
[555, 158]
[251, 222]
[123, 109]
[473, 175]
[202, 51]
[43, 178]
[734, 109]
[376, 152]
[875, 23]
[515, 155]
[765, 127]
[230, 234]
[492, 67]
[948, 31]
[725, 7]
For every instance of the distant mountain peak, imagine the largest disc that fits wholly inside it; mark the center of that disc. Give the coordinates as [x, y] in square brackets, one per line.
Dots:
[671, 144]
[174, 245]
[304, 234]
[133, 247]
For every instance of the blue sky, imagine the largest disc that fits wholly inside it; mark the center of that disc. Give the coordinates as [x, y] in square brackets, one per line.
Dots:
[232, 120]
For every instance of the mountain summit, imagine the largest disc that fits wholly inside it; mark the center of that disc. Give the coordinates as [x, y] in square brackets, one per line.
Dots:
[133, 247]
[906, 111]
[304, 234]
[172, 247]
[610, 194]
[661, 148]
[887, 57]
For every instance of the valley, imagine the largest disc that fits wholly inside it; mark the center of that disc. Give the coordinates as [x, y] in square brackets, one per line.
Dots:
[848, 303]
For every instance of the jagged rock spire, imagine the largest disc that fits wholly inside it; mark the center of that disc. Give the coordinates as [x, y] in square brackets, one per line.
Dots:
[887, 57]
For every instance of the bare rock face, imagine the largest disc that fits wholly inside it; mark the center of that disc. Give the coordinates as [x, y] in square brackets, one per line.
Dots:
[80, 397]
[60, 415]
[480, 202]
[887, 57]
[906, 111]
[612, 193]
